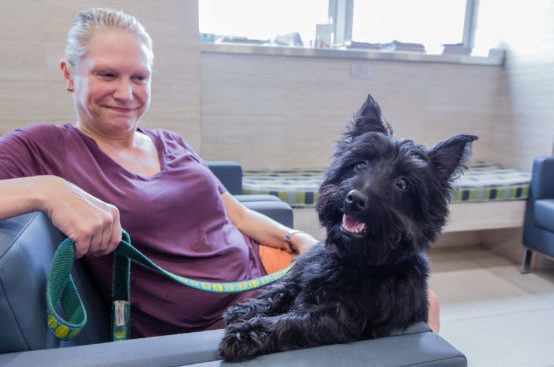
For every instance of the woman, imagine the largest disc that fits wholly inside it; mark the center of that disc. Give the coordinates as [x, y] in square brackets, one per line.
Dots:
[104, 173]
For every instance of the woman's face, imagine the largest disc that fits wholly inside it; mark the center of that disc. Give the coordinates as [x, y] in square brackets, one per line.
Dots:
[112, 85]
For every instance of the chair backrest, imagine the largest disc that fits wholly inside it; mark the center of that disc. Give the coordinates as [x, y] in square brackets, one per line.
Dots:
[27, 245]
[542, 179]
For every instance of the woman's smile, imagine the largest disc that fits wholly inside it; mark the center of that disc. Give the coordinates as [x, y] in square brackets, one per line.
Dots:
[122, 109]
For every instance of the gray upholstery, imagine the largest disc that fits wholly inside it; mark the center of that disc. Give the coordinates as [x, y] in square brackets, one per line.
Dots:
[278, 210]
[415, 347]
[27, 244]
[230, 175]
[538, 225]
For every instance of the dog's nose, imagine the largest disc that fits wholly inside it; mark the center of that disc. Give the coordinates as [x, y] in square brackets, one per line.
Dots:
[356, 200]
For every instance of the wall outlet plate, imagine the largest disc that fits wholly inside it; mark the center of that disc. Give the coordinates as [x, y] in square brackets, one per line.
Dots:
[360, 71]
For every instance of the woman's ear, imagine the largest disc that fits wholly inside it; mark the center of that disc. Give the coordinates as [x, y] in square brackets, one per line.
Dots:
[66, 71]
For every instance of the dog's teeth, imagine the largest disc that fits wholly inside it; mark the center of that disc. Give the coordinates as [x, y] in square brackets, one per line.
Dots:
[352, 225]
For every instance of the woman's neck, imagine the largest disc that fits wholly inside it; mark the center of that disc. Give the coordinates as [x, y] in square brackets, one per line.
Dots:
[135, 150]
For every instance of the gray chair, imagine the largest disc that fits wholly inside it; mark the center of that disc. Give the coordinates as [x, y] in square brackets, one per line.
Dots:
[538, 225]
[230, 175]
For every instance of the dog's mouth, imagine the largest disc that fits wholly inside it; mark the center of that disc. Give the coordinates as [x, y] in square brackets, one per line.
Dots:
[352, 226]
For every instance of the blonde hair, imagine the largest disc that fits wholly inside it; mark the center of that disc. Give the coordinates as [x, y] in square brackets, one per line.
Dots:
[86, 23]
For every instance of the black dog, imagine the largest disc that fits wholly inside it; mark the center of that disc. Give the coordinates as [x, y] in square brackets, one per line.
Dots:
[383, 201]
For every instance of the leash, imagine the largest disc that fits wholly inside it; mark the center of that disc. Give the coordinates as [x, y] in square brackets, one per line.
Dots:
[61, 288]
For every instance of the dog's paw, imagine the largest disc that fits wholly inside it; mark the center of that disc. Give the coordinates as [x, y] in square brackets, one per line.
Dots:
[239, 312]
[241, 342]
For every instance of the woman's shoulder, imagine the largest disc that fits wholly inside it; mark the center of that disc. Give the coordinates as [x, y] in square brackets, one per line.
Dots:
[168, 138]
[43, 132]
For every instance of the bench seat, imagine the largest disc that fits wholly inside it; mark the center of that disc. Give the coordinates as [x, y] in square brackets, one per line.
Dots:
[481, 182]
[487, 195]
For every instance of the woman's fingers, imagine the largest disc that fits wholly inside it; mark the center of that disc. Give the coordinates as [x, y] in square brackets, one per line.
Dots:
[91, 223]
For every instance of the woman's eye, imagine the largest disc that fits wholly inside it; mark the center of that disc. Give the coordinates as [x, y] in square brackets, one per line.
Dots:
[107, 75]
[360, 166]
[401, 183]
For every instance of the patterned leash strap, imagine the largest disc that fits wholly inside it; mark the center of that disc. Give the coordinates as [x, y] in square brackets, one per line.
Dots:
[61, 288]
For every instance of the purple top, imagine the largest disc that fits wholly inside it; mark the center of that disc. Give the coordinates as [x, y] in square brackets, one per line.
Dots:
[175, 217]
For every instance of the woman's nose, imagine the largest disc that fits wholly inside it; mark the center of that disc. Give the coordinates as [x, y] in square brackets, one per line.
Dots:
[124, 91]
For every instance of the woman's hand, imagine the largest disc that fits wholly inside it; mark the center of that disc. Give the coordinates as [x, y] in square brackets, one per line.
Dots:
[302, 241]
[91, 223]
[264, 229]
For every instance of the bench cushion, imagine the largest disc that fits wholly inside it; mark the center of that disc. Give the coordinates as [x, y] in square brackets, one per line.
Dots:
[482, 182]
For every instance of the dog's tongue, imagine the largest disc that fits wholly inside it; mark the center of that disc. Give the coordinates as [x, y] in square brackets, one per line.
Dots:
[352, 224]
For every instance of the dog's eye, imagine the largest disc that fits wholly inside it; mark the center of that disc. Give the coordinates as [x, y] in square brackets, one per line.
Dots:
[360, 165]
[401, 183]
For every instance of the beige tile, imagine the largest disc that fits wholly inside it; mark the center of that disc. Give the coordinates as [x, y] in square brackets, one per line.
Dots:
[54, 53]
[60, 102]
[254, 141]
[19, 19]
[306, 219]
[515, 339]
[477, 292]
[22, 101]
[22, 60]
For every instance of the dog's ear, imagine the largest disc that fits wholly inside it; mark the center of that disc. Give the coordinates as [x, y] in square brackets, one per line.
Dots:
[369, 118]
[448, 156]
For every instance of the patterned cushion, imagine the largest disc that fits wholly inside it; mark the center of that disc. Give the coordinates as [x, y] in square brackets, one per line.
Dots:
[482, 182]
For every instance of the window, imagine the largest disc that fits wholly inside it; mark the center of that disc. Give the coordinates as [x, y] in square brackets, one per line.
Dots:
[427, 22]
[262, 19]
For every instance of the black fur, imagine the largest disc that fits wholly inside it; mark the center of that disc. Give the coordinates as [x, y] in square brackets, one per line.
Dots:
[356, 285]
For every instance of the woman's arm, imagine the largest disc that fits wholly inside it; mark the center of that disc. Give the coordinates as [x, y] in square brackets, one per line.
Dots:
[91, 223]
[264, 229]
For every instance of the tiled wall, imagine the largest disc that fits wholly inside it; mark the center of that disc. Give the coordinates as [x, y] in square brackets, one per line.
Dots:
[286, 112]
[32, 36]
[524, 121]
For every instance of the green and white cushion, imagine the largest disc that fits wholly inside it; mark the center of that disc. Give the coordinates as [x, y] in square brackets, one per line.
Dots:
[481, 182]
[490, 182]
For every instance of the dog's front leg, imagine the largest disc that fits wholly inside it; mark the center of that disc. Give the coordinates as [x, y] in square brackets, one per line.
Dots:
[293, 330]
[272, 300]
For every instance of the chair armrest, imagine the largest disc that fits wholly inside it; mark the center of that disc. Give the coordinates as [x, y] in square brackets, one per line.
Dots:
[275, 209]
[542, 178]
[414, 346]
[229, 173]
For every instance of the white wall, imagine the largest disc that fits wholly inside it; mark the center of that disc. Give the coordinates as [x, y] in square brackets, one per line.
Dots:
[524, 120]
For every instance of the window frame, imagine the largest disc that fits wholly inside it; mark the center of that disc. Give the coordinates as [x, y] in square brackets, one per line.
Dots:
[342, 14]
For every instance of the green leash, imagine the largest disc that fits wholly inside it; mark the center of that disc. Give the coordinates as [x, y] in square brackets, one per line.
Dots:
[60, 288]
